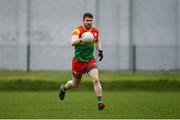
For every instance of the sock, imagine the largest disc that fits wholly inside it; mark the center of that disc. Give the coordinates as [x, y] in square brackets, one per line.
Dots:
[99, 99]
[64, 88]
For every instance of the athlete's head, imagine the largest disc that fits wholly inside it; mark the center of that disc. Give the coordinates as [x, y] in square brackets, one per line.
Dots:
[88, 20]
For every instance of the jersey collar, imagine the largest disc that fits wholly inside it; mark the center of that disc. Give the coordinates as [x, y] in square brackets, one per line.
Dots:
[86, 28]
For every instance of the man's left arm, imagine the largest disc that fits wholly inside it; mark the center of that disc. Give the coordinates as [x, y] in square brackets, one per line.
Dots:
[99, 48]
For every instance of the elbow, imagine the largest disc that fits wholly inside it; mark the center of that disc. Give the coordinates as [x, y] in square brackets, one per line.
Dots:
[72, 43]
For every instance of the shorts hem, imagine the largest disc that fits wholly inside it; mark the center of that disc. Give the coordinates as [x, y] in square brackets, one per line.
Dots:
[90, 68]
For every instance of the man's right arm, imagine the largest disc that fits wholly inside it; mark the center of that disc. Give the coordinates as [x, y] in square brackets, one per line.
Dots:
[75, 39]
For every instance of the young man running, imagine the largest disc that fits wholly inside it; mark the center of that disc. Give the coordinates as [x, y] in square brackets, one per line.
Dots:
[84, 61]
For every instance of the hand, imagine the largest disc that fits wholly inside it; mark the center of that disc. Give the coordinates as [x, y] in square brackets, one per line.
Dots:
[100, 55]
[80, 40]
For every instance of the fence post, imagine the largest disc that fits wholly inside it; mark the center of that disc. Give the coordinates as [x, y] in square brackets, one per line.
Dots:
[28, 35]
[28, 57]
[134, 58]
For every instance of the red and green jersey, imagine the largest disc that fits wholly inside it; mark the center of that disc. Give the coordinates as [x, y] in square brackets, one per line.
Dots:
[84, 51]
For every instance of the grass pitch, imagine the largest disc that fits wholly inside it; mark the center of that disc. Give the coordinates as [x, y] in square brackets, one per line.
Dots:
[137, 95]
[58, 76]
[83, 105]
[50, 80]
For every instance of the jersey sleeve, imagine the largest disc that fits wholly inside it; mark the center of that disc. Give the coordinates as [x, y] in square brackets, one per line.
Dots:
[97, 32]
[76, 31]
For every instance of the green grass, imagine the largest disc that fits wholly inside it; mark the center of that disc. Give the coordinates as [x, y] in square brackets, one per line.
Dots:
[83, 105]
[50, 80]
[35, 75]
[126, 94]
[104, 76]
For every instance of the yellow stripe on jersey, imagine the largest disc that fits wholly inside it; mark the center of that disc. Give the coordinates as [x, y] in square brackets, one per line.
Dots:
[76, 31]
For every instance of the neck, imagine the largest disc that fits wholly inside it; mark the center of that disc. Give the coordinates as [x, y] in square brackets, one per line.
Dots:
[86, 27]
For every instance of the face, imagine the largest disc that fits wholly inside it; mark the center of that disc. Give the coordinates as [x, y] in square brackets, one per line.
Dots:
[88, 22]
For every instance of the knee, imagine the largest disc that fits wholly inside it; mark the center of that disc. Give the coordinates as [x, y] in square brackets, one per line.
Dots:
[74, 85]
[95, 80]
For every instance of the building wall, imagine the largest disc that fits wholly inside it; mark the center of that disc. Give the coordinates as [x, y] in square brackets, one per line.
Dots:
[155, 32]
[46, 25]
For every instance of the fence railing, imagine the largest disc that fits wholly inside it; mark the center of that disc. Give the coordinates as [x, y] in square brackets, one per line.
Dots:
[58, 57]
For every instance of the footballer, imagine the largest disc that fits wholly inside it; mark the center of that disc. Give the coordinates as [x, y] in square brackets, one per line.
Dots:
[84, 60]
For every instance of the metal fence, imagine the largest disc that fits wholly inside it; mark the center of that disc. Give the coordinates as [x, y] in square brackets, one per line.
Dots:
[58, 57]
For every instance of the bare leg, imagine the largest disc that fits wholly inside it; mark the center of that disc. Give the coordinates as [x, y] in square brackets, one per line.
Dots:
[97, 87]
[74, 83]
[95, 79]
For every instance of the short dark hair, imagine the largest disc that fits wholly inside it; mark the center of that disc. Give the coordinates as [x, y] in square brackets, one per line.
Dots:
[90, 15]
